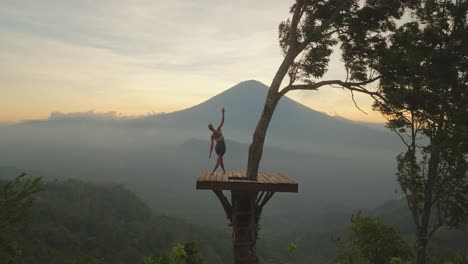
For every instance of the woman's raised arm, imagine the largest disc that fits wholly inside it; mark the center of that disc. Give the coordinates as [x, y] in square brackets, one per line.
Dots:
[222, 119]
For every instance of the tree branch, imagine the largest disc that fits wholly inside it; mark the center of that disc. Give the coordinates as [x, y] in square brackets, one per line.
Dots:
[353, 86]
[401, 137]
[225, 203]
[437, 226]
[298, 12]
[355, 104]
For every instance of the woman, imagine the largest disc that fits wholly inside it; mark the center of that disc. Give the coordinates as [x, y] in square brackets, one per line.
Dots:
[220, 147]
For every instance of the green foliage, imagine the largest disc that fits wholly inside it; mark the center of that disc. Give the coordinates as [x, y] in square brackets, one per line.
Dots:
[176, 256]
[424, 83]
[179, 254]
[192, 256]
[399, 261]
[16, 198]
[10, 252]
[457, 259]
[361, 28]
[292, 247]
[77, 222]
[372, 241]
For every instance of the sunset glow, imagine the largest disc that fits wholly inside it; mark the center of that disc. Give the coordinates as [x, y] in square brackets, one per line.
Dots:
[143, 57]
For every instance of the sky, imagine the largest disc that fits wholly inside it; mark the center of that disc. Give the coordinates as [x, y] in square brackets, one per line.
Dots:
[138, 57]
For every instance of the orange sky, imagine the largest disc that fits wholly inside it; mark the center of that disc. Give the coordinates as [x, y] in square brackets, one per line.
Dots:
[138, 57]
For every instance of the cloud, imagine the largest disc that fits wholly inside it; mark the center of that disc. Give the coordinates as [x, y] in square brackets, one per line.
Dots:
[185, 33]
[111, 115]
[89, 114]
[214, 39]
[136, 55]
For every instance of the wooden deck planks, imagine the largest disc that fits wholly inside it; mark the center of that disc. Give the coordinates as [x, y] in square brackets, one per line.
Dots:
[264, 178]
[279, 178]
[274, 179]
[274, 182]
[205, 176]
[285, 179]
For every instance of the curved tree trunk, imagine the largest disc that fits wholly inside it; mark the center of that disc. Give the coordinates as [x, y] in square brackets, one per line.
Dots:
[256, 147]
[272, 99]
[295, 48]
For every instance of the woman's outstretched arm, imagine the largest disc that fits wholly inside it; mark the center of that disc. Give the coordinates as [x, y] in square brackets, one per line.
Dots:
[222, 119]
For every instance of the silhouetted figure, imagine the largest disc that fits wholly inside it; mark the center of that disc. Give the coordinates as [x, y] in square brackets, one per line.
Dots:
[220, 147]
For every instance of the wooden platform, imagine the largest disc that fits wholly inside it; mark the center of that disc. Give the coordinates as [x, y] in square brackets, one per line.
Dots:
[271, 182]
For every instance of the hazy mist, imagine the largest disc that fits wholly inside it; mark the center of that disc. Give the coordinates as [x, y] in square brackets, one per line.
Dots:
[338, 163]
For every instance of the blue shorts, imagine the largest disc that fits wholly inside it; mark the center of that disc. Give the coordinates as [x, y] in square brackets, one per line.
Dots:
[220, 148]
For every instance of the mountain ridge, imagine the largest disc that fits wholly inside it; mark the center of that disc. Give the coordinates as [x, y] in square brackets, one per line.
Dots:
[109, 116]
[293, 126]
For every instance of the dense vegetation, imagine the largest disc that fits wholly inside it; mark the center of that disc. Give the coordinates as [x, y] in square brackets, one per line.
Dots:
[420, 61]
[77, 222]
[371, 241]
[16, 197]
[179, 254]
[424, 85]
[326, 236]
[73, 221]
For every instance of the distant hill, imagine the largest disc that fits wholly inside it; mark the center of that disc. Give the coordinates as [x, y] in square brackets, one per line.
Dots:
[73, 221]
[80, 222]
[317, 238]
[294, 126]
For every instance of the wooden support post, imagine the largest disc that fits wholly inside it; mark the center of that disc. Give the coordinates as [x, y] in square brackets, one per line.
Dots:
[259, 204]
[244, 227]
[248, 197]
[225, 203]
[244, 213]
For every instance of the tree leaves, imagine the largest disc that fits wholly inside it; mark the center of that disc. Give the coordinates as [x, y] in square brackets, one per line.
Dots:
[16, 197]
[424, 85]
[371, 241]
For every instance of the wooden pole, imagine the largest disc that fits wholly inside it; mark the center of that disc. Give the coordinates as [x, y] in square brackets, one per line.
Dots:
[245, 208]
[244, 226]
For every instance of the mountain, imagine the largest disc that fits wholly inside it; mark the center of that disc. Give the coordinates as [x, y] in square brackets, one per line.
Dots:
[339, 165]
[294, 126]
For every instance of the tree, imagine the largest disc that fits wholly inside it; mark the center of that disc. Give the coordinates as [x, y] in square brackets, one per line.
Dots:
[192, 256]
[424, 97]
[360, 29]
[372, 241]
[458, 259]
[179, 254]
[421, 66]
[16, 197]
[175, 256]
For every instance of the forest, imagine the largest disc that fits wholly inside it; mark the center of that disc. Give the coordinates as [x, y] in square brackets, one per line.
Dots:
[73, 221]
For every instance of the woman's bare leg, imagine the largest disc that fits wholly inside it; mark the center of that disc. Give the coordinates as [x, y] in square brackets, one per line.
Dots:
[216, 167]
[221, 162]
